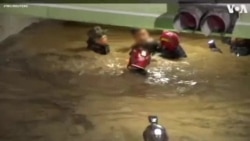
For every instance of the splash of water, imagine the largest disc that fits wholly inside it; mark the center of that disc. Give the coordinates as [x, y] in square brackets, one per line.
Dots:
[157, 76]
[170, 72]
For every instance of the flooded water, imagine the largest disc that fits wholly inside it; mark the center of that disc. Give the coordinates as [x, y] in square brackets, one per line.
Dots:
[53, 89]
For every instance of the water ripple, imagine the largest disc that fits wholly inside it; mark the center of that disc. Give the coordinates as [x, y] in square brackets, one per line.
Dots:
[171, 73]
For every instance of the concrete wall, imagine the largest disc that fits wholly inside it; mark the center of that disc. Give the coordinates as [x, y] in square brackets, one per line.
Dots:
[152, 16]
[11, 24]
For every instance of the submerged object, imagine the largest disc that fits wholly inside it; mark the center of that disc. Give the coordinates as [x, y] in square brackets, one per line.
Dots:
[170, 45]
[213, 47]
[154, 131]
[139, 59]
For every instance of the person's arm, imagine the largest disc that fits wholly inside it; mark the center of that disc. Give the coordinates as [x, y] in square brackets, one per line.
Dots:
[157, 46]
[153, 47]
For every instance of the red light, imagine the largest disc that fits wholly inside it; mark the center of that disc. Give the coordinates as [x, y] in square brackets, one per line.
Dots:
[215, 23]
[188, 21]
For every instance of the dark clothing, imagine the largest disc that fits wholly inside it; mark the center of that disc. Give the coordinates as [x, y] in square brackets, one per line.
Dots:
[174, 54]
[98, 48]
[241, 49]
[152, 46]
[150, 135]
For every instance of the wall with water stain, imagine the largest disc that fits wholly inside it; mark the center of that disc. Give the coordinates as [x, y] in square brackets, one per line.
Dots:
[152, 16]
[11, 24]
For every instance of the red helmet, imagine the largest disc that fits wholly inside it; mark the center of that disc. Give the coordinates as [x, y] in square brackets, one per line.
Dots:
[169, 40]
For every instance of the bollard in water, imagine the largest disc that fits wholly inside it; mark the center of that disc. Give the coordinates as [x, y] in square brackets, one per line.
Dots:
[213, 47]
[154, 131]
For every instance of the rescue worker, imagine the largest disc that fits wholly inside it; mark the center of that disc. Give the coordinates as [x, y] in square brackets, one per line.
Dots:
[170, 45]
[141, 50]
[154, 131]
[98, 40]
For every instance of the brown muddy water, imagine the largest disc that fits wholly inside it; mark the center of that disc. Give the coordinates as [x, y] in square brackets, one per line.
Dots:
[53, 89]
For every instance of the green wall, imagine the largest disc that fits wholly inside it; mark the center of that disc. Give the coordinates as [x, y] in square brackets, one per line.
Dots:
[152, 16]
[131, 15]
[242, 27]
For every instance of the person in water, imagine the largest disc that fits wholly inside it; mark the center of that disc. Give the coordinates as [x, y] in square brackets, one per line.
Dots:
[240, 47]
[142, 38]
[170, 46]
[98, 40]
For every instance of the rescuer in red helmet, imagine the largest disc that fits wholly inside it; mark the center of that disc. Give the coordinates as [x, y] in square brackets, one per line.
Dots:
[170, 45]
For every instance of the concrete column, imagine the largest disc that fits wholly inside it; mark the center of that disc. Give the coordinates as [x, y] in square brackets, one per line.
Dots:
[12, 24]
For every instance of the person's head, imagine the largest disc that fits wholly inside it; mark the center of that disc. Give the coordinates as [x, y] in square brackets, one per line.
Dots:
[140, 34]
[169, 39]
[98, 35]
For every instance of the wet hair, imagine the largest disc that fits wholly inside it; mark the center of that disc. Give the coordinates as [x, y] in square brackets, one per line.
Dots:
[133, 31]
